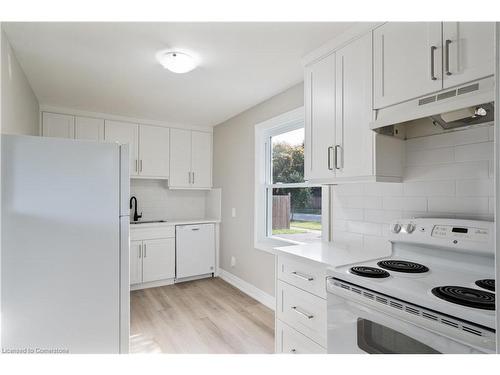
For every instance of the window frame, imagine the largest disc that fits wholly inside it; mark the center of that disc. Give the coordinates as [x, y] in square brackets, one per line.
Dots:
[289, 121]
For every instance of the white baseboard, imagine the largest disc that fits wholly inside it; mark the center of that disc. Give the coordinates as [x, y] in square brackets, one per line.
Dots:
[247, 288]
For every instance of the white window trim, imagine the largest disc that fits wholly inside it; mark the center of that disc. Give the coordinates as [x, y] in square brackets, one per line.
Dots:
[288, 121]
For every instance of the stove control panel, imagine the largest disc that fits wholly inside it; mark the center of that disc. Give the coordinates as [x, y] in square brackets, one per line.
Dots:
[460, 233]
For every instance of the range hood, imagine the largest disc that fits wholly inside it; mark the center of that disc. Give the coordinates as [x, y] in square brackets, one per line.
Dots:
[465, 105]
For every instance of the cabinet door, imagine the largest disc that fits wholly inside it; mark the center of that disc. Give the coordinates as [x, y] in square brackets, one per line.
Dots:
[201, 159]
[154, 151]
[57, 125]
[320, 119]
[125, 133]
[158, 261]
[135, 262]
[407, 61]
[354, 153]
[469, 51]
[89, 128]
[180, 158]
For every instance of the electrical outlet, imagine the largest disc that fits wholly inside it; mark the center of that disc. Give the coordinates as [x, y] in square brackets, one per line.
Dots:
[233, 261]
[233, 212]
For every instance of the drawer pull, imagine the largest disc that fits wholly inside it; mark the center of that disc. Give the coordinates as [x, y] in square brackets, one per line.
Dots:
[302, 276]
[303, 313]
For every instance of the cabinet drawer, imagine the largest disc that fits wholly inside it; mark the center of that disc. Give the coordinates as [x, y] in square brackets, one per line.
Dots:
[289, 341]
[307, 276]
[303, 311]
[151, 233]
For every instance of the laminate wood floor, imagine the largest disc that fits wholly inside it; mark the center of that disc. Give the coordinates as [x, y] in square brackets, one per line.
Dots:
[202, 316]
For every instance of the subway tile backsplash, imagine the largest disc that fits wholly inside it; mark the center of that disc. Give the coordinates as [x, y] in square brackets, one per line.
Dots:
[156, 201]
[446, 175]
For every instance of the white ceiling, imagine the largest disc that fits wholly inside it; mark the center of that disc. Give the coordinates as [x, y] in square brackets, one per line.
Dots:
[111, 67]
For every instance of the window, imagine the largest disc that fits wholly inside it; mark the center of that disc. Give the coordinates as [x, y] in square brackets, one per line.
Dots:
[289, 208]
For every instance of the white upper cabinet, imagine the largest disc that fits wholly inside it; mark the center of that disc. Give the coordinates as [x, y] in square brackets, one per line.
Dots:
[407, 61]
[201, 159]
[125, 133]
[154, 152]
[180, 158]
[469, 51]
[58, 125]
[340, 146]
[89, 128]
[319, 91]
[190, 159]
[354, 150]
[184, 157]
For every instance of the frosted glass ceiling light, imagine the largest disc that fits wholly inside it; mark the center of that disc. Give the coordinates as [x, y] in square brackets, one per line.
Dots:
[177, 62]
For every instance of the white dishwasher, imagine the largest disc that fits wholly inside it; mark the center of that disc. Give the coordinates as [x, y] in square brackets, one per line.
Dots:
[195, 250]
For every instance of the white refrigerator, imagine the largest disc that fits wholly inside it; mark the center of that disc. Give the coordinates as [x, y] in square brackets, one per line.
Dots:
[65, 246]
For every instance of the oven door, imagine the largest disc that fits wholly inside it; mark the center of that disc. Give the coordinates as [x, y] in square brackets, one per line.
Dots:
[356, 328]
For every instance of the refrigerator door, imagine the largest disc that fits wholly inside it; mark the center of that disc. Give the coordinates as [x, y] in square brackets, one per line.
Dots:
[124, 181]
[60, 245]
[125, 283]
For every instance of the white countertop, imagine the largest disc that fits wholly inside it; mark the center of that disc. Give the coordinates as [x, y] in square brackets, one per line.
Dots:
[175, 222]
[331, 254]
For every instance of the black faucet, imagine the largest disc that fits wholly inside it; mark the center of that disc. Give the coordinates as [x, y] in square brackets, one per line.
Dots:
[136, 215]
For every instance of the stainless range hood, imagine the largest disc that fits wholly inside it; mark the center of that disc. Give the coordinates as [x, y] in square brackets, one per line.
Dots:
[465, 105]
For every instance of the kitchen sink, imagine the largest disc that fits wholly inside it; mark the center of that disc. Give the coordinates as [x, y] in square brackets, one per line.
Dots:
[148, 221]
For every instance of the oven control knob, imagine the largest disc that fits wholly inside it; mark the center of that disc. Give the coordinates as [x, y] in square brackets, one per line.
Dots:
[396, 228]
[409, 228]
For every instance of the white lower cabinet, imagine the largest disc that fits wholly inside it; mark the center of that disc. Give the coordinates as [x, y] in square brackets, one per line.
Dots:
[301, 306]
[290, 341]
[152, 256]
[158, 259]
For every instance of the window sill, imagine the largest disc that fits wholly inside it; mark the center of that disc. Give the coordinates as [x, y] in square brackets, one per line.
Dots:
[269, 244]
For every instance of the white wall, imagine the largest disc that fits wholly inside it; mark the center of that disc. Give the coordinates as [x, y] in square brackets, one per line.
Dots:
[156, 201]
[234, 172]
[446, 175]
[20, 109]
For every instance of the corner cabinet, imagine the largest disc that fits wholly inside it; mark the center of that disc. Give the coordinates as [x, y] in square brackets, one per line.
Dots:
[190, 159]
[340, 146]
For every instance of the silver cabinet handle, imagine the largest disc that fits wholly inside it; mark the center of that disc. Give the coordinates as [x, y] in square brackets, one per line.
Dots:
[136, 163]
[189, 177]
[303, 313]
[140, 165]
[193, 176]
[433, 49]
[447, 57]
[302, 276]
[145, 251]
[337, 158]
[195, 228]
[140, 251]
[330, 149]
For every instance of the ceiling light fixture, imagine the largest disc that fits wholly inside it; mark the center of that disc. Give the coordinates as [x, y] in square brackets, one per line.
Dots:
[177, 62]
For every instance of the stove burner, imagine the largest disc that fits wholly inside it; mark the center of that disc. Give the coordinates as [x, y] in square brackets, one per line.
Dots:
[402, 266]
[488, 284]
[460, 295]
[369, 272]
